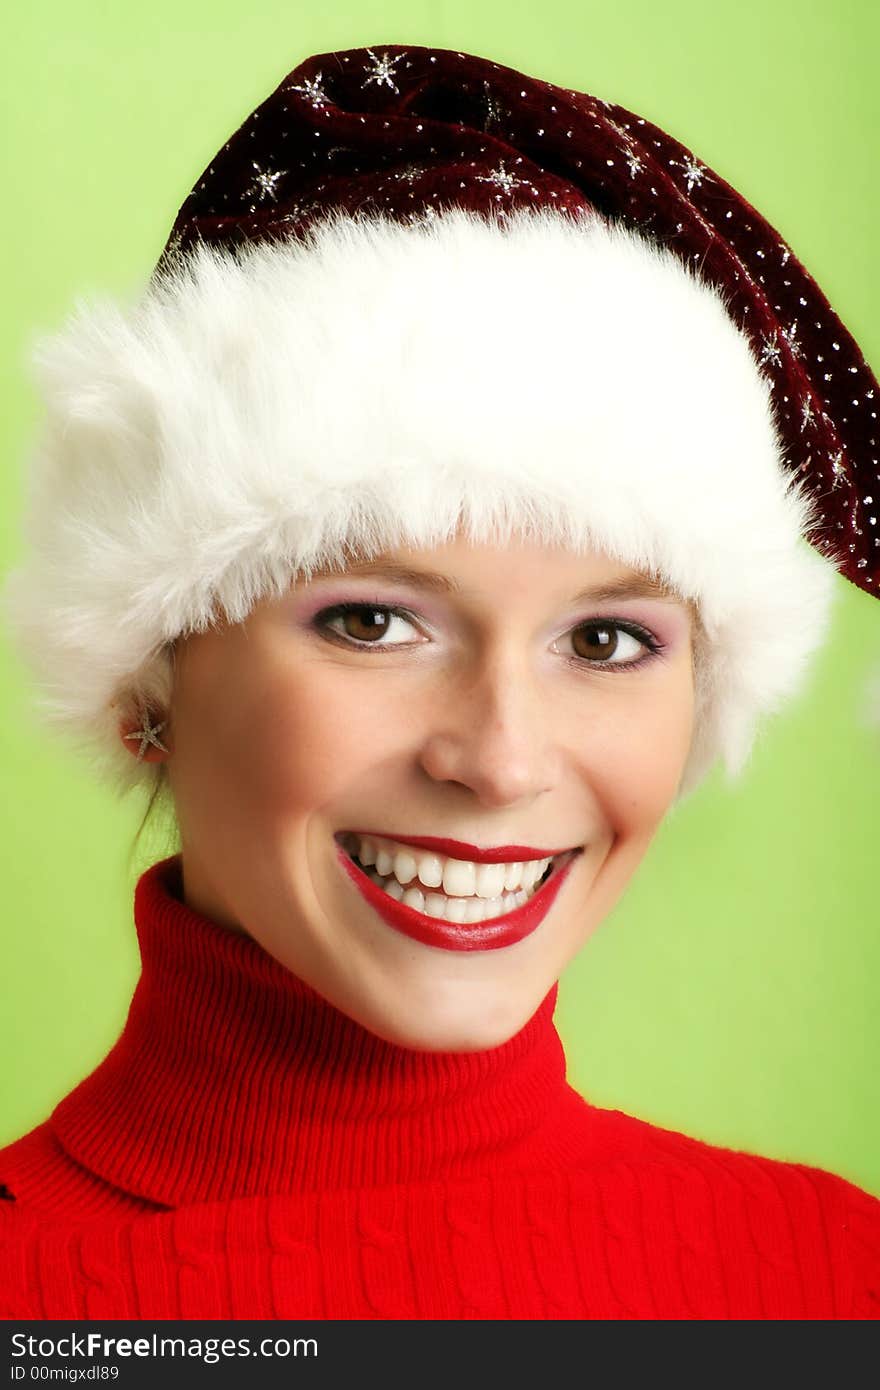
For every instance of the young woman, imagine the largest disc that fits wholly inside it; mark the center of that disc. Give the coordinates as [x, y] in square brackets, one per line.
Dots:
[466, 484]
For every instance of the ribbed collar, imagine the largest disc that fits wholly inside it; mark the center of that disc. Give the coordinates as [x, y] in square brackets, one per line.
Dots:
[232, 1077]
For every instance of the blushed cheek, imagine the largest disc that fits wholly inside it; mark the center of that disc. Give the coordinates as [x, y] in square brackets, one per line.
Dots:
[631, 777]
[639, 765]
[312, 741]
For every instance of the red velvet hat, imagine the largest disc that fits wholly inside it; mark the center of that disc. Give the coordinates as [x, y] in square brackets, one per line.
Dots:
[409, 131]
[415, 290]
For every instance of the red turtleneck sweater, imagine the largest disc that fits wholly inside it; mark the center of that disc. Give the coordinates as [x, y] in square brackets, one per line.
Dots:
[247, 1151]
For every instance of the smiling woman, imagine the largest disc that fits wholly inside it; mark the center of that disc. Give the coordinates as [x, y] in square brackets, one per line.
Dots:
[419, 680]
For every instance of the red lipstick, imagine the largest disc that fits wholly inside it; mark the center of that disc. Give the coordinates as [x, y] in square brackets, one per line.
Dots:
[460, 849]
[462, 936]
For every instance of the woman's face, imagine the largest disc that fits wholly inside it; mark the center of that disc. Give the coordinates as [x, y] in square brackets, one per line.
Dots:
[463, 697]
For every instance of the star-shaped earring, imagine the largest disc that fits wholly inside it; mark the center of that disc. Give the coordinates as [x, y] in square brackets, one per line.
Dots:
[148, 734]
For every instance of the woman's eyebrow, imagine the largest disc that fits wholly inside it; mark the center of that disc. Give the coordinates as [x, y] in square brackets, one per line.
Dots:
[627, 586]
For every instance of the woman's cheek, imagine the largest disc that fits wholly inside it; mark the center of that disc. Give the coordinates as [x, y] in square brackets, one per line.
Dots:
[317, 735]
[639, 754]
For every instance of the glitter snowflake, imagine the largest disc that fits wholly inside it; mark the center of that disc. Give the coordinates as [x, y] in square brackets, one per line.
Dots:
[301, 209]
[312, 90]
[410, 173]
[770, 352]
[837, 468]
[265, 181]
[790, 336]
[502, 178]
[635, 164]
[808, 416]
[383, 72]
[694, 173]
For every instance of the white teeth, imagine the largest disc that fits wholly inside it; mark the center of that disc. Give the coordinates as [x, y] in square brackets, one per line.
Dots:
[532, 872]
[405, 866]
[455, 909]
[490, 880]
[478, 910]
[430, 868]
[458, 878]
[459, 910]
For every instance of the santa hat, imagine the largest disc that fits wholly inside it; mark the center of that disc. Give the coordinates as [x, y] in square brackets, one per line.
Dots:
[418, 291]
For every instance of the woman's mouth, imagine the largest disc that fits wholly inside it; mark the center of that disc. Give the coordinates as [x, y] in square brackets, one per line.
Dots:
[454, 905]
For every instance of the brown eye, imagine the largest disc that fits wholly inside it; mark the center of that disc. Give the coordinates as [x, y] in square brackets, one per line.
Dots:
[595, 641]
[365, 624]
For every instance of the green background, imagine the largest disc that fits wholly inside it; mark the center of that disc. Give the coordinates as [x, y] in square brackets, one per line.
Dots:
[733, 993]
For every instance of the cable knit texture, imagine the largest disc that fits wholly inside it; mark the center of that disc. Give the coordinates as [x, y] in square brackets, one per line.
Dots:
[247, 1151]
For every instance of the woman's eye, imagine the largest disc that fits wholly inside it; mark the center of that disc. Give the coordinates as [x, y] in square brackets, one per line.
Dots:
[602, 644]
[363, 624]
[597, 642]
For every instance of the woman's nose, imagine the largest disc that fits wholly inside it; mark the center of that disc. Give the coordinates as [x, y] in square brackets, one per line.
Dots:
[494, 735]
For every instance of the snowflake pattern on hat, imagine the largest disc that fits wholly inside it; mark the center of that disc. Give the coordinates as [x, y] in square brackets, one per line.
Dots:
[408, 131]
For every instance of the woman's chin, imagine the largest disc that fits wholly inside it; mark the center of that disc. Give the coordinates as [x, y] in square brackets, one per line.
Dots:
[454, 1029]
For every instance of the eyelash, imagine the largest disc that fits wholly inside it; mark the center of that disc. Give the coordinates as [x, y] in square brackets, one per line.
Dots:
[322, 619]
